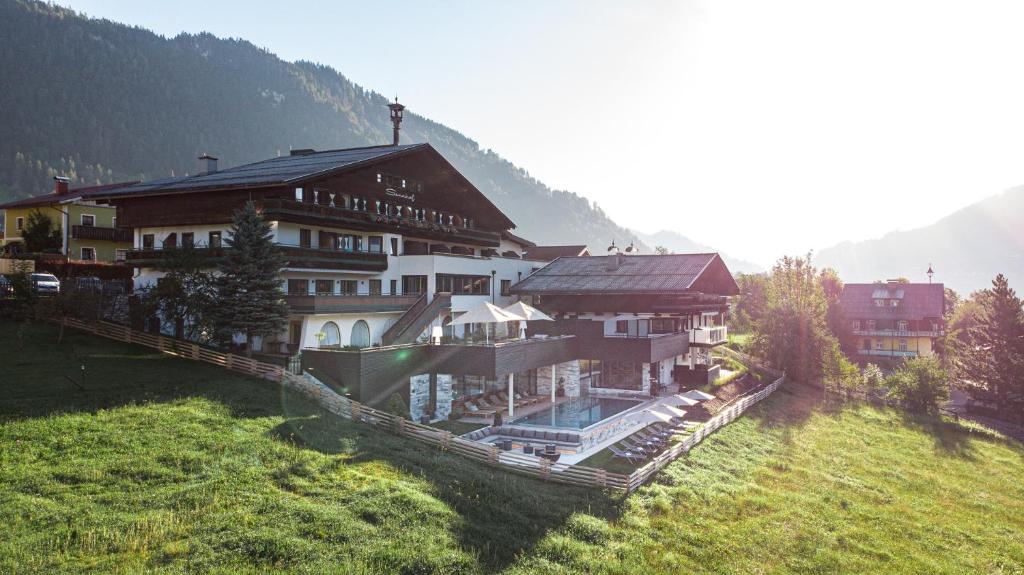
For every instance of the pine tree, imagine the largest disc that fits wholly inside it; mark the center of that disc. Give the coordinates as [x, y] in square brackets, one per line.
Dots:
[249, 285]
[40, 235]
[991, 358]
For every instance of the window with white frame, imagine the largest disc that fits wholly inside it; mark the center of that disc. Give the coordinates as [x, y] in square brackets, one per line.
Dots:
[120, 254]
[879, 345]
[901, 325]
[903, 345]
[88, 220]
[871, 325]
[298, 194]
[88, 254]
[856, 325]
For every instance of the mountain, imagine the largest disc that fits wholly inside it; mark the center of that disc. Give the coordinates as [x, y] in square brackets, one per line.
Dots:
[966, 249]
[100, 102]
[681, 244]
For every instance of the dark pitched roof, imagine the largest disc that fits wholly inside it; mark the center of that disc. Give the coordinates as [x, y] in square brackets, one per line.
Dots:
[638, 274]
[297, 169]
[916, 301]
[72, 195]
[555, 252]
[275, 171]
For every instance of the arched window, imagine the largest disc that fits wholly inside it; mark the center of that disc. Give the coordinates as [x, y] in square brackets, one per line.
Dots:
[330, 335]
[360, 334]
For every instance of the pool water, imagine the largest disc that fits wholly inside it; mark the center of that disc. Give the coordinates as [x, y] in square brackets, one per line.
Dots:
[577, 412]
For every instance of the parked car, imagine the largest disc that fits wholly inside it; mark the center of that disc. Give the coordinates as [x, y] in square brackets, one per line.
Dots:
[93, 284]
[6, 288]
[45, 283]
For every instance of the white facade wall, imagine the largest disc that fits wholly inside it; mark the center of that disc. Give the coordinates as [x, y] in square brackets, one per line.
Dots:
[314, 323]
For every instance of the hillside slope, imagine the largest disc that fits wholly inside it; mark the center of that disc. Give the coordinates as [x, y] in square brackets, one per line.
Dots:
[966, 249]
[100, 101]
[162, 465]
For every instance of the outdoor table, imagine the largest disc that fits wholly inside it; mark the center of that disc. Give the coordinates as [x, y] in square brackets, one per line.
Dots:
[528, 449]
[506, 444]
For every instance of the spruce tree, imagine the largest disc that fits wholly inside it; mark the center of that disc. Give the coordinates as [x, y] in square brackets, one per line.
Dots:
[991, 358]
[249, 287]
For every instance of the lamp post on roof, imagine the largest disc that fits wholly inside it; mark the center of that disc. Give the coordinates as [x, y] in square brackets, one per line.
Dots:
[396, 118]
[930, 273]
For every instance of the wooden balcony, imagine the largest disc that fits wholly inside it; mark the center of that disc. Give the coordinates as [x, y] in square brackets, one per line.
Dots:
[154, 257]
[320, 214]
[97, 233]
[328, 259]
[294, 257]
[350, 303]
[898, 333]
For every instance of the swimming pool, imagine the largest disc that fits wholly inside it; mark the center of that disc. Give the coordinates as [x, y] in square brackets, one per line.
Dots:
[577, 412]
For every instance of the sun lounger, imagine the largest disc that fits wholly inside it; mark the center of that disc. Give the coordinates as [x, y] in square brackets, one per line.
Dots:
[529, 399]
[635, 444]
[515, 402]
[629, 455]
[476, 410]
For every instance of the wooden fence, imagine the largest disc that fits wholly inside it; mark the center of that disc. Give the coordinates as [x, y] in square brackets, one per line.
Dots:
[641, 475]
[522, 464]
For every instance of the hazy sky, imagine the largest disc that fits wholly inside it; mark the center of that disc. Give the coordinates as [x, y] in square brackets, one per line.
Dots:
[758, 127]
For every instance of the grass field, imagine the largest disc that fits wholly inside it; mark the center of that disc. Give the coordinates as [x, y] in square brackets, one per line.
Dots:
[164, 465]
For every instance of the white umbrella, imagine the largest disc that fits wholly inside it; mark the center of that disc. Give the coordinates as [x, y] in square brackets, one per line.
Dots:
[485, 313]
[682, 401]
[698, 395]
[528, 312]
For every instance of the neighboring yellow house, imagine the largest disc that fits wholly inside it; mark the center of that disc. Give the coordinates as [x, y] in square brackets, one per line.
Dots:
[894, 319]
[89, 231]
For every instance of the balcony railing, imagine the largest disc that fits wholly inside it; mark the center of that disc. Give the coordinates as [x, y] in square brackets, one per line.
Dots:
[887, 352]
[326, 258]
[357, 219]
[709, 336]
[899, 333]
[101, 234]
[301, 303]
[294, 257]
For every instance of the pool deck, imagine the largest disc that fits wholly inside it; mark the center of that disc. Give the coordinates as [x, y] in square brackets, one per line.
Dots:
[642, 414]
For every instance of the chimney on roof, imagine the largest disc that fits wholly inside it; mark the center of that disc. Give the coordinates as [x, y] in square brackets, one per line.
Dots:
[613, 262]
[207, 164]
[61, 185]
[396, 118]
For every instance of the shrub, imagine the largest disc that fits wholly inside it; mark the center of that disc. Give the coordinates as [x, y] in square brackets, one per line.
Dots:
[921, 385]
[397, 406]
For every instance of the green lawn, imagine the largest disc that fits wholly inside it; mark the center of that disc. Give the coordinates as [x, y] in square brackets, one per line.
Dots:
[164, 465]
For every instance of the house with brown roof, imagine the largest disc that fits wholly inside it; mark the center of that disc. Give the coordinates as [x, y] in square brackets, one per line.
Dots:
[894, 319]
[89, 229]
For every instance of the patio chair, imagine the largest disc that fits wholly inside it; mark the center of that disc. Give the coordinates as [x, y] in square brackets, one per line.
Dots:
[633, 457]
[634, 444]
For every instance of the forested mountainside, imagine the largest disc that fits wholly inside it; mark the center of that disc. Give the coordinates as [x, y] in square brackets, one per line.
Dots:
[99, 102]
[966, 248]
